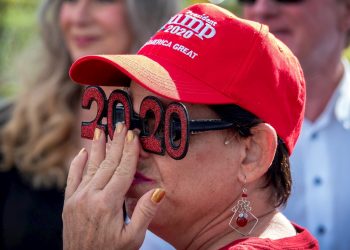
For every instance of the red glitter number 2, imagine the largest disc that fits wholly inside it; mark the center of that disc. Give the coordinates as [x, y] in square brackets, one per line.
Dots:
[159, 132]
[93, 94]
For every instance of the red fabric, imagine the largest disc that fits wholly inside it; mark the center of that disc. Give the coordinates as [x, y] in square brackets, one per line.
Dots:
[303, 240]
[207, 55]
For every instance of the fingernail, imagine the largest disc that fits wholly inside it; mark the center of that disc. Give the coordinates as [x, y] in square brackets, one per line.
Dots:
[83, 150]
[129, 136]
[158, 195]
[97, 134]
[119, 127]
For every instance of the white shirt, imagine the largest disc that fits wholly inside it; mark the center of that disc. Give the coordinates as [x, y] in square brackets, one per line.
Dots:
[320, 166]
[153, 242]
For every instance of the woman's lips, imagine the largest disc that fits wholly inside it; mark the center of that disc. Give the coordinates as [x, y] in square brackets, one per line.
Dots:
[139, 178]
[83, 41]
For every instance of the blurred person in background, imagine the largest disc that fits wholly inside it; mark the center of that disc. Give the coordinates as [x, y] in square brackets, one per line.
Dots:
[317, 31]
[39, 131]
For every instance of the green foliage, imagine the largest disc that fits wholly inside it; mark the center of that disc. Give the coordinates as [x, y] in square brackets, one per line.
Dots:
[347, 53]
[17, 26]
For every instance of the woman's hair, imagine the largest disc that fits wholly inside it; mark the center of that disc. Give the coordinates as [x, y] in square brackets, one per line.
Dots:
[148, 16]
[347, 3]
[278, 175]
[42, 134]
[348, 33]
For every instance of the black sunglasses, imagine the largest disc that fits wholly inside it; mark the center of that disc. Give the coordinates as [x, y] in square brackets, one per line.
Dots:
[146, 124]
[162, 128]
[251, 2]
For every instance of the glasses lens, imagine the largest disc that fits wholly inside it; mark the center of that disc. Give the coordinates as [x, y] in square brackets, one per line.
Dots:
[119, 113]
[149, 123]
[175, 130]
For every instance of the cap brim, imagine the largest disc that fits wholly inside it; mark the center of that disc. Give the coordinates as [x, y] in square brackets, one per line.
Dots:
[162, 77]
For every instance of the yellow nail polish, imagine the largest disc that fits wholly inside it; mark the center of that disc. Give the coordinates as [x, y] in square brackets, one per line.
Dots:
[119, 127]
[97, 134]
[130, 136]
[158, 195]
[83, 150]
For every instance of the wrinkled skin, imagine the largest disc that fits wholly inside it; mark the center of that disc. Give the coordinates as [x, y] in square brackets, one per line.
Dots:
[93, 209]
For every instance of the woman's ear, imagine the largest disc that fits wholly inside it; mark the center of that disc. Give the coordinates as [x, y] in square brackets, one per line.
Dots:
[259, 152]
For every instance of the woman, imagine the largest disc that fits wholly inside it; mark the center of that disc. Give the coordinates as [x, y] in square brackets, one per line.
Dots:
[38, 140]
[207, 173]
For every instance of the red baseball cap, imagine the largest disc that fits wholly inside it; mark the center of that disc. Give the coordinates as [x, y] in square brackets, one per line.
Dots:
[207, 55]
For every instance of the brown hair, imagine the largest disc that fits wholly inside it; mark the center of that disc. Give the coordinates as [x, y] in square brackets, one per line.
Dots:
[42, 134]
[347, 2]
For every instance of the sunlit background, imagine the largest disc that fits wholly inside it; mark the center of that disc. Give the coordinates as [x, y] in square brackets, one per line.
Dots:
[18, 30]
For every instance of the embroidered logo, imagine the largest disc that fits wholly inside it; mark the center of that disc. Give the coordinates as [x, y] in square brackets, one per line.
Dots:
[189, 24]
[186, 25]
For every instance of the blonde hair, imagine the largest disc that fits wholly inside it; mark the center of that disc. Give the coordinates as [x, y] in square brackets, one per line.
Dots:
[42, 135]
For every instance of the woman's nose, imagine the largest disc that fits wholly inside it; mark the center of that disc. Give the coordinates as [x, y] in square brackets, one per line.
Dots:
[82, 12]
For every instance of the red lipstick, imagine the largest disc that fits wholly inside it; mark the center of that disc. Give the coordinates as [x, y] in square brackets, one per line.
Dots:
[83, 41]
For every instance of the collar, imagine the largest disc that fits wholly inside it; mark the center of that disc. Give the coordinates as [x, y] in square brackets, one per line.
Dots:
[338, 107]
[342, 105]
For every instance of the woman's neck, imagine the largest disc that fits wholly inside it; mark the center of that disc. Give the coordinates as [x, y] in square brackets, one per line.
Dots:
[217, 233]
[222, 234]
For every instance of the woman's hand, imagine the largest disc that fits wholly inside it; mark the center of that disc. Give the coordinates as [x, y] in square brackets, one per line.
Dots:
[93, 207]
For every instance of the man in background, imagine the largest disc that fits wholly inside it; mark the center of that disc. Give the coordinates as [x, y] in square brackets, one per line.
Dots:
[317, 31]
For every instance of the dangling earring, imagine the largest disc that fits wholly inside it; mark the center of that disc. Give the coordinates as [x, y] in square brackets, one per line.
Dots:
[242, 215]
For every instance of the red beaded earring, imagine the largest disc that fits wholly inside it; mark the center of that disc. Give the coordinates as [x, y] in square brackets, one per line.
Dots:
[242, 215]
